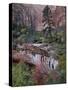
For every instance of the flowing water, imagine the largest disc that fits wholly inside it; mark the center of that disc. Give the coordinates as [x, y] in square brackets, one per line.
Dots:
[48, 63]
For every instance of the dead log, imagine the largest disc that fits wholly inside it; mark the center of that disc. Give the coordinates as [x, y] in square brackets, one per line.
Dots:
[34, 49]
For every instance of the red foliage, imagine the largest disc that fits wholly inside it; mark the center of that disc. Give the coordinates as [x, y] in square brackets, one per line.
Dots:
[39, 77]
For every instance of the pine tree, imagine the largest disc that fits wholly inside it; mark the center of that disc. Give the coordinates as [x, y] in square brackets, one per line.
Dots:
[47, 21]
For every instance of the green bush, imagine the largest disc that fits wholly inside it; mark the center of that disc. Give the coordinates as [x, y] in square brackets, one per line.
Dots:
[21, 75]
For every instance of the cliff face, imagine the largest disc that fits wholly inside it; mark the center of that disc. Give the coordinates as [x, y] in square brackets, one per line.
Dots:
[59, 16]
[32, 15]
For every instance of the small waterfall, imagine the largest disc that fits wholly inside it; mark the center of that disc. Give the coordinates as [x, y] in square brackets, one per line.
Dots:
[49, 63]
[52, 63]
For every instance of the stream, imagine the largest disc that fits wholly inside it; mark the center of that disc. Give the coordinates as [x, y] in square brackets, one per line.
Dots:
[46, 63]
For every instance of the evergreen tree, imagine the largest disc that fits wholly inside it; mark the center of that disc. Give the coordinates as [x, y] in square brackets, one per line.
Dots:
[48, 22]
